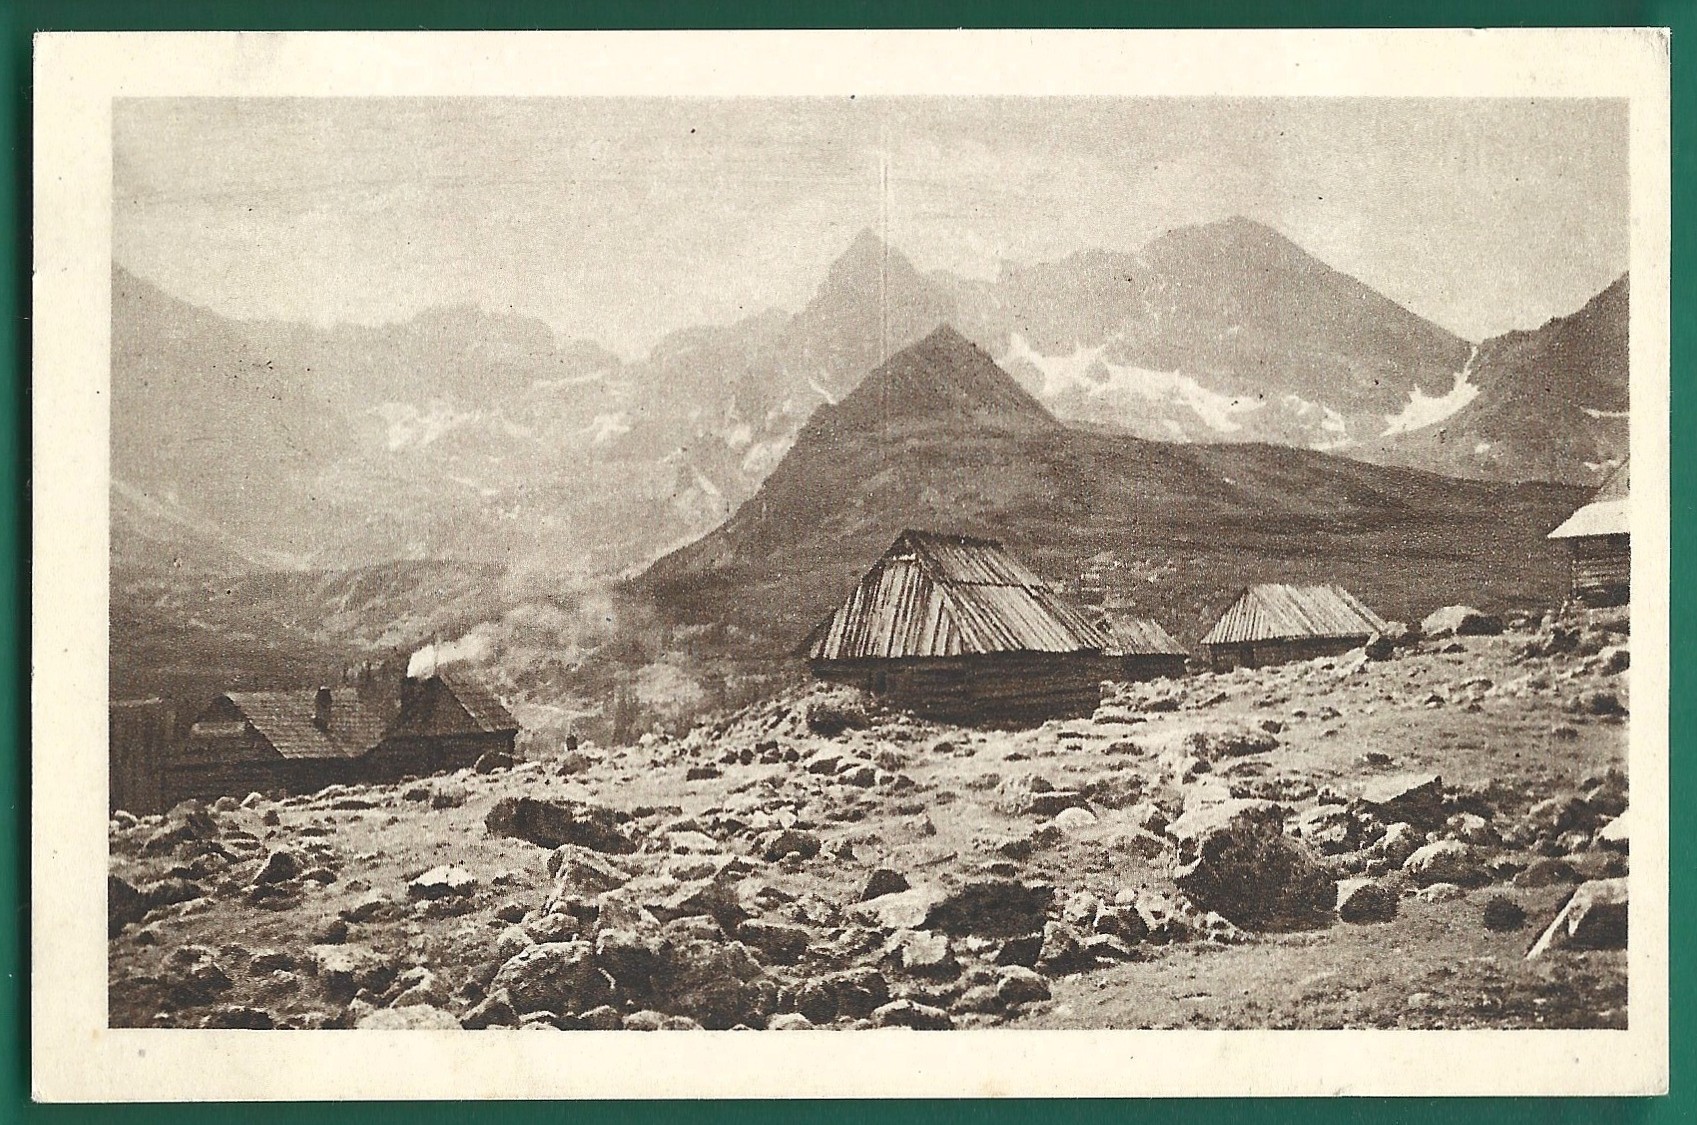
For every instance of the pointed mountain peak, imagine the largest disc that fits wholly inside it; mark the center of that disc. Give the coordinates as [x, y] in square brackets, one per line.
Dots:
[1236, 234]
[866, 258]
[943, 379]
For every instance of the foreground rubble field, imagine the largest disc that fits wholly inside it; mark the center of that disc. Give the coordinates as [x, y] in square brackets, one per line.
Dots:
[1351, 842]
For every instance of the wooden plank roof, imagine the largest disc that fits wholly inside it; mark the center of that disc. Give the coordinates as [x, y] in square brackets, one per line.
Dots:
[1278, 612]
[1607, 512]
[934, 595]
[284, 719]
[1140, 636]
[490, 715]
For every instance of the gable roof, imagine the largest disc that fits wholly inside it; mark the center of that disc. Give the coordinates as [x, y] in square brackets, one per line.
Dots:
[1140, 636]
[1605, 514]
[936, 595]
[284, 719]
[490, 715]
[1280, 612]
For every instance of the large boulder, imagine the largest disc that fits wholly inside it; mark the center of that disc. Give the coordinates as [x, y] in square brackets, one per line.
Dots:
[719, 984]
[1447, 861]
[1408, 798]
[1595, 917]
[992, 908]
[346, 969]
[553, 823]
[1366, 900]
[1234, 859]
[555, 977]
[584, 871]
[1460, 621]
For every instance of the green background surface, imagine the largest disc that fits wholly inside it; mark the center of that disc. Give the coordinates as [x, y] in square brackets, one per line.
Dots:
[22, 19]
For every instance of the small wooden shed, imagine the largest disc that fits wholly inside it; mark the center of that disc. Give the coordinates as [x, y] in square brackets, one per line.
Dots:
[1139, 649]
[1599, 542]
[1276, 623]
[957, 628]
[446, 722]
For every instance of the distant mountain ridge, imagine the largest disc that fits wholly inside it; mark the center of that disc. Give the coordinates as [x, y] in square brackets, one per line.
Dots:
[1553, 403]
[462, 434]
[1178, 528]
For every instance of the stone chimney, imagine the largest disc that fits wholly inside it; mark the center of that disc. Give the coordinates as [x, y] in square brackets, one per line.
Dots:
[321, 709]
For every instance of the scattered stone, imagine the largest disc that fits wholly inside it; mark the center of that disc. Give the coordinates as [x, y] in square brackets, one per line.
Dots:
[1365, 900]
[992, 907]
[1595, 917]
[1447, 861]
[1460, 621]
[1410, 798]
[493, 762]
[1546, 872]
[413, 1017]
[1233, 858]
[1503, 913]
[777, 845]
[366, 909]
[442, 882]
[584, 871]
[495, 1010]
[1440, 892]
[924, 953]
[908, 1014]
[790, 1021]
[1016, 984]
[556, 977]
[781, 941]
[553, 823]
[347, 969]
[279, 867]
[124, 905]
[1073, 818]
[883, 881]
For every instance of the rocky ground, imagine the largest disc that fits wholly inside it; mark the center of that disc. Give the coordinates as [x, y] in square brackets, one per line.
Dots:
[1374, 840]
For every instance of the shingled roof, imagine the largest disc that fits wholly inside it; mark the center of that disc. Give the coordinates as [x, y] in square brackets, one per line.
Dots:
[479, 702]
[1140, 636]
[933, 595]
[1605, 514]
[285, 720]
[1277, 612]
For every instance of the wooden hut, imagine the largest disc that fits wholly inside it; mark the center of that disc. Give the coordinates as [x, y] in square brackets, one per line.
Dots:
[303, 740]
[138, 749]
[1139, 649]
[1599, 542]
[1274, 624]
[447, 721]
[263, 740]
[957, 628]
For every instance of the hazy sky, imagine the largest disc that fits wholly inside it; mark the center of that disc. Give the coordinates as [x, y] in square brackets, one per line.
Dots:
[620, 220]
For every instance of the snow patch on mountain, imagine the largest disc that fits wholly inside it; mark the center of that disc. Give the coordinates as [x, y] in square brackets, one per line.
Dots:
[413, 428]
[1131, 385]
[1425, 410]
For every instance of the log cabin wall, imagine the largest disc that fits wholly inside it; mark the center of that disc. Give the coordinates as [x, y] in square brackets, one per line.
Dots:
[1601, 569]
[1261, 654]
[139, 735]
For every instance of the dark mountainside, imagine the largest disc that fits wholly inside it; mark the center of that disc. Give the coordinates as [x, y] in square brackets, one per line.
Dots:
[475, 436]
[1552, 403]
[1179, 528]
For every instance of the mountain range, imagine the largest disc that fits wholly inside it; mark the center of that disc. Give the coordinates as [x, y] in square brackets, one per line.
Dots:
[480, 437]
[940, 437]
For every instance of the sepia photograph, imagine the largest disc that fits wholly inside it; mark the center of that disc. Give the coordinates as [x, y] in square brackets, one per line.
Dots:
[929, 561]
